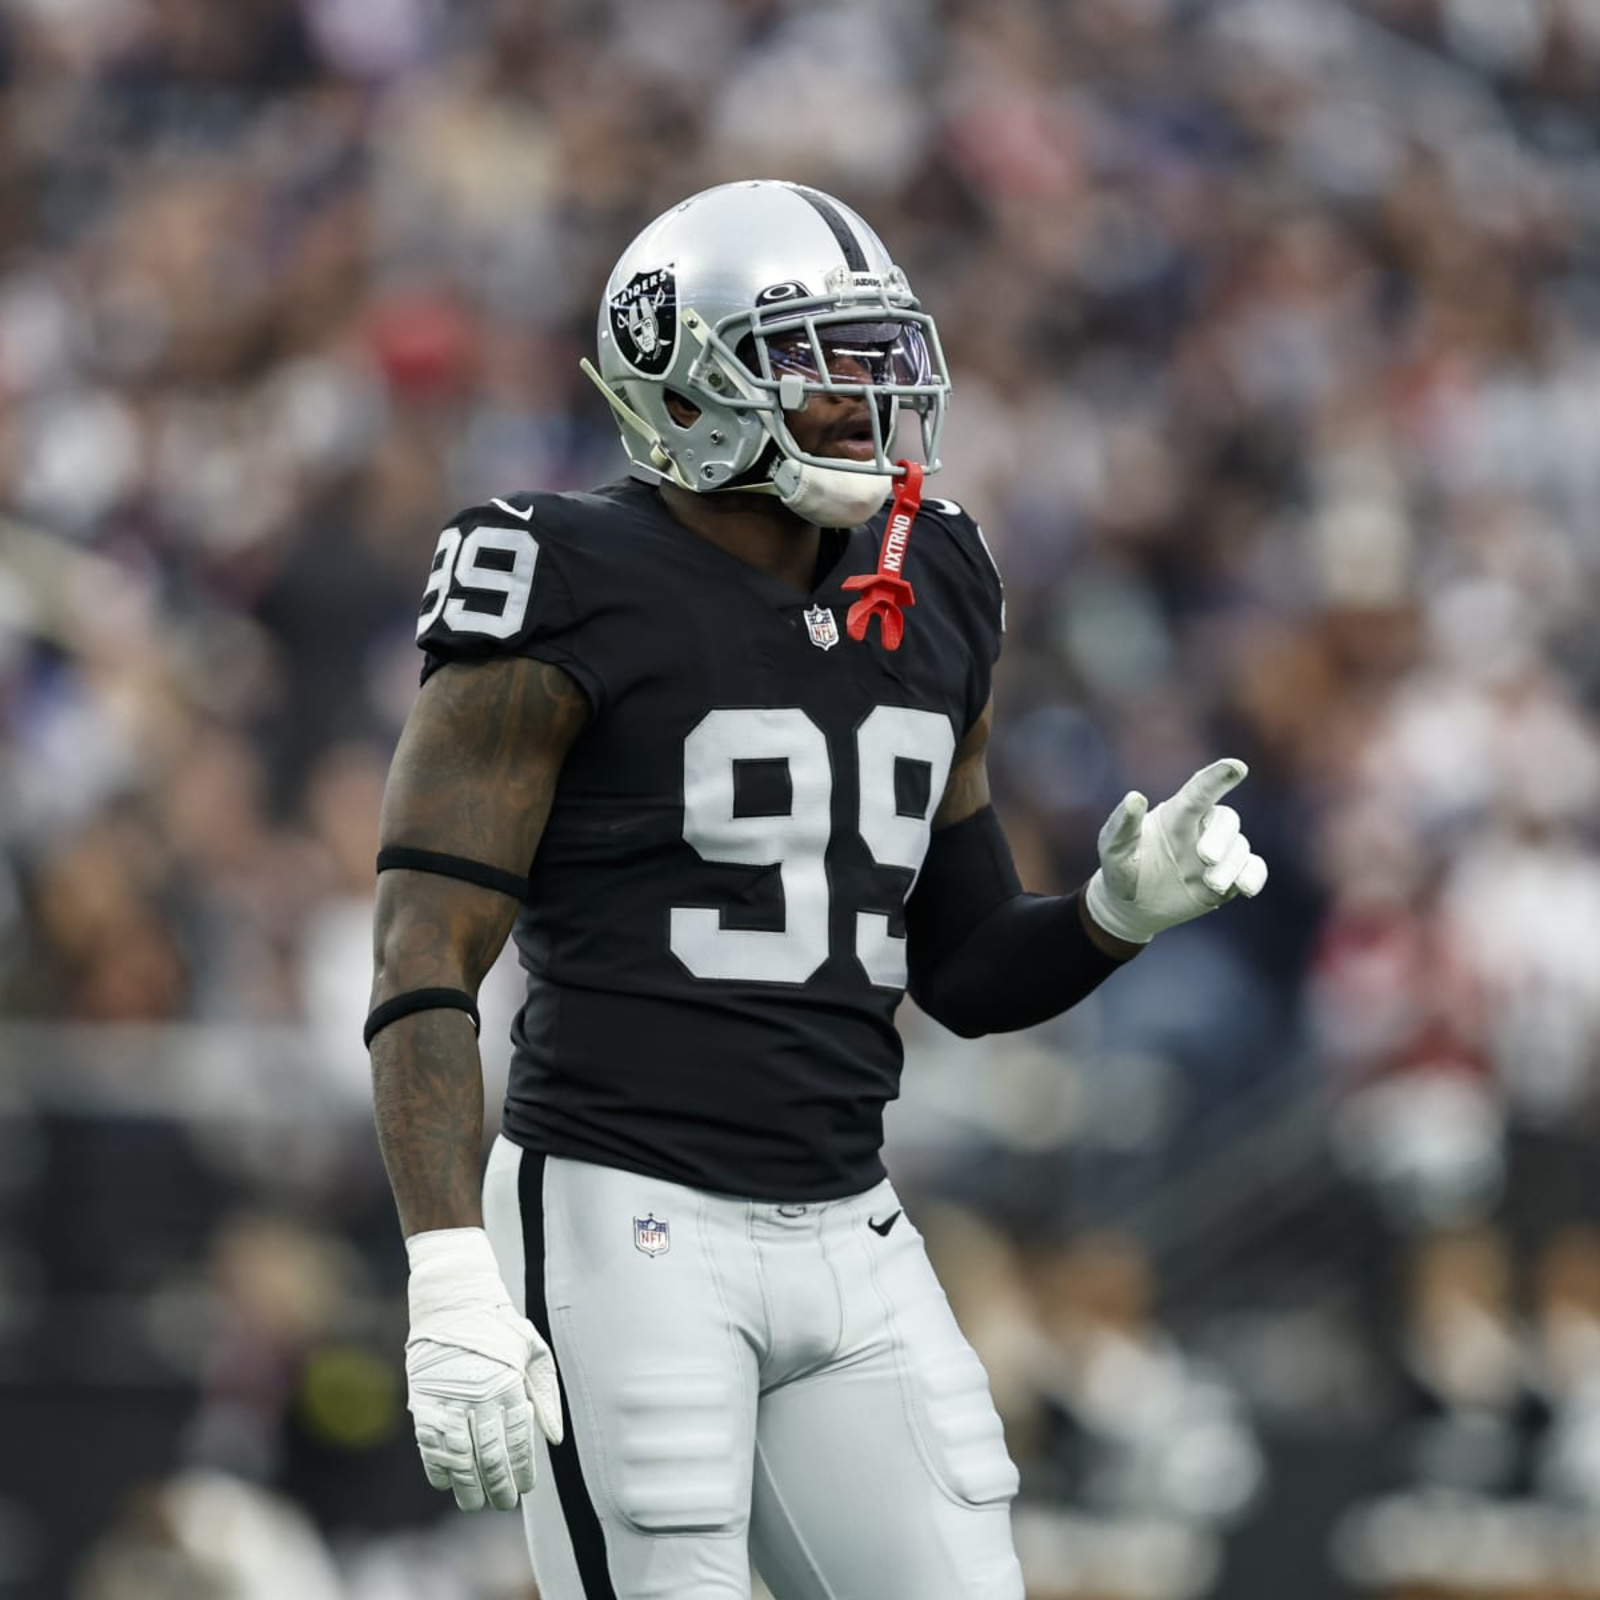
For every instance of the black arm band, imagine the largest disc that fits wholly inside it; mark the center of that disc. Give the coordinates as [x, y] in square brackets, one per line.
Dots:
[447, 866]
[402, 1005]
[983, 956]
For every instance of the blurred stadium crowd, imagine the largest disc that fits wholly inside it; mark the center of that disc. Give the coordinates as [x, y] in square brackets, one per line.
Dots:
[1275, 330]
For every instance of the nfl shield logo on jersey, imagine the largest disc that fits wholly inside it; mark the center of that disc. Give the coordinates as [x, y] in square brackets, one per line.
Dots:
[823, 629]
[651, 1235]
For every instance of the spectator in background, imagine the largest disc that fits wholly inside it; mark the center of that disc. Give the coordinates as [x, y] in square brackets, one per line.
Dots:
[1146, 1429]
[1478, 1414]
[202, 1536]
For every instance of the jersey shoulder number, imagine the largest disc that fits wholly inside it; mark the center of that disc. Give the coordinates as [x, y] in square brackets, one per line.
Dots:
[481, 580]
[499, 584]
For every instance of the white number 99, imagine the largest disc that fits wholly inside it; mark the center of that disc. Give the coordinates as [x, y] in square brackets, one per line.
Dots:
[459, 563]
[797, 841]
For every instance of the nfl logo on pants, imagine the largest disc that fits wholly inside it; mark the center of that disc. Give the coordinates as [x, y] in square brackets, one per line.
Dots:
[651, 1236]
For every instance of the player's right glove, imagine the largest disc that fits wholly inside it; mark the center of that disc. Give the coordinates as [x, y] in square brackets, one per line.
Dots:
[1159, 868]
[478, 1375]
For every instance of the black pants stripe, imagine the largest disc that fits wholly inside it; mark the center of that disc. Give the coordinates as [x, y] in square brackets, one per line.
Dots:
[577, 1509]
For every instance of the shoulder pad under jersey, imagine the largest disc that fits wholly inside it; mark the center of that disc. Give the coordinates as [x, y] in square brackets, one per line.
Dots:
[974, 553]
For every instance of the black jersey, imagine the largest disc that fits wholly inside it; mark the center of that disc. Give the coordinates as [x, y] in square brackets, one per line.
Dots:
[714, 932]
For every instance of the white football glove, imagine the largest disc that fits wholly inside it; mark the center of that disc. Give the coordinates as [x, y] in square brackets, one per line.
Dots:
[477, 1373]
[1159, 868]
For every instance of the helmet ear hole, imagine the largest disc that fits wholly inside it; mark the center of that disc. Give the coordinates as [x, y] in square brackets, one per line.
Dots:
[681, 409]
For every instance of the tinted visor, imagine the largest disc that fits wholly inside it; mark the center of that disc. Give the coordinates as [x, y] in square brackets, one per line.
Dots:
[879, 353]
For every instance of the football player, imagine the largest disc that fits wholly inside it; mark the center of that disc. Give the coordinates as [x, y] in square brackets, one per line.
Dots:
[710, 742]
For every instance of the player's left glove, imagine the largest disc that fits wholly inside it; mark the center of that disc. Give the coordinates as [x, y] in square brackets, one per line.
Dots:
[478, 1374]
[1188, 856]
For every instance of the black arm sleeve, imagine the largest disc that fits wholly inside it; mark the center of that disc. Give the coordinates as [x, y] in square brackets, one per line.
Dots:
[983, 956]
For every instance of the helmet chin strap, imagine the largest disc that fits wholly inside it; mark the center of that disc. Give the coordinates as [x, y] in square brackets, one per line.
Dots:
[827, 497]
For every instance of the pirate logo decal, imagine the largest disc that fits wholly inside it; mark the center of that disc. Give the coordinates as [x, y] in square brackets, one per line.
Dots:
[644, 320]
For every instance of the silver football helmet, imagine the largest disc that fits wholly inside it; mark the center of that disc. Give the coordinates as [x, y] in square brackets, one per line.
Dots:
[746, 300]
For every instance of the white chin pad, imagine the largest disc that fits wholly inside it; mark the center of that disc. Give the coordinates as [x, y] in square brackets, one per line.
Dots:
[828, 497]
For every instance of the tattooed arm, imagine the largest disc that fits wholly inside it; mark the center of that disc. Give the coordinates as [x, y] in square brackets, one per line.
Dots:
[474, 776]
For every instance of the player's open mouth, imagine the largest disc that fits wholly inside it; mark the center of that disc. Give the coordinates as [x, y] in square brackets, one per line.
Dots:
[855, 444]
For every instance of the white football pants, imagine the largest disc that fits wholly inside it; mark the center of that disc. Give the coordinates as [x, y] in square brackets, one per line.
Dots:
[748, 1380]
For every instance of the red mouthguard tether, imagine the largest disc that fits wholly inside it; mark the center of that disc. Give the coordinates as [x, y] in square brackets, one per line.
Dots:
[884, 593]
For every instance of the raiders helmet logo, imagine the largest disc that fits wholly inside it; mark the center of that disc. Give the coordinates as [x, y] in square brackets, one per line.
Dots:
[644, 320]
